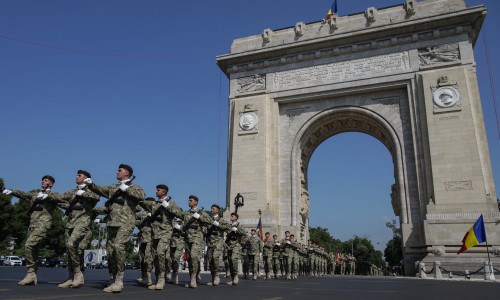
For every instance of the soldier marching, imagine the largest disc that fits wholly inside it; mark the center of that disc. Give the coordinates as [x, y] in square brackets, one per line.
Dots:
[165, 232]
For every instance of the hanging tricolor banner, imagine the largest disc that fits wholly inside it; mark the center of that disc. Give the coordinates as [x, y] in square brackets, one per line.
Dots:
[475, 236]
[259, 228]
[332, 11]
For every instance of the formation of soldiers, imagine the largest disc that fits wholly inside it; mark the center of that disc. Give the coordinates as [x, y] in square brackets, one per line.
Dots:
[166, 231]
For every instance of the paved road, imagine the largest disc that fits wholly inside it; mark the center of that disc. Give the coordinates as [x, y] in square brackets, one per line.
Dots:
[335, 287]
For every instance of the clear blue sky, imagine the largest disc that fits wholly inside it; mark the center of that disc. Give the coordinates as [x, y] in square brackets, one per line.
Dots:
[154, 103]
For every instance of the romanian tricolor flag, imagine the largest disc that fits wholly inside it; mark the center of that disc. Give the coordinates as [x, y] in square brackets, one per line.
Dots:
[338, 256]
[475, 236]
[332, 11]
[259, 228]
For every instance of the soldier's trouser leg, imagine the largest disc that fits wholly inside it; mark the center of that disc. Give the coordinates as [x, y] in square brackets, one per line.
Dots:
[255, 265]
[168, 260]
[161, 255]
[84, 244]
[156, 262]
[276, 265]
[119, 236]
[35, 237]
[145, 263]
[211, 259]
[176, 258]
[233, 260]
[111, 256]
[287, 262]
[194, 252]
[225, 258]
[73, 243]
[267, 264]
[67, 283]
[245, 263]
[214, 254]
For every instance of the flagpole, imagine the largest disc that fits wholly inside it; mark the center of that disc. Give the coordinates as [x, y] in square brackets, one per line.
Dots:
[490, 266]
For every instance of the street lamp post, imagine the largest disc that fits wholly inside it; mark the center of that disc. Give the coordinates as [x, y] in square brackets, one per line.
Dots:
[238, 202]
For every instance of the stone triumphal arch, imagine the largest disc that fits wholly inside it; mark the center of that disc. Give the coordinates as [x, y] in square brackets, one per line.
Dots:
[404, 75]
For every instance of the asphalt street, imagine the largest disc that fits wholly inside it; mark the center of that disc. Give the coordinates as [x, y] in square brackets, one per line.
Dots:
[331, 287]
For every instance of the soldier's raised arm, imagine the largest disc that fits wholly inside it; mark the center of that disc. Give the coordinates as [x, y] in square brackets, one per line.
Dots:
[25, 196]
[104, 191]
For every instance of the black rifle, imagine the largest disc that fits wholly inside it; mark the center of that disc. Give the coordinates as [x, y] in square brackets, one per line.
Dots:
[188, 224]
[147, 221]
[114, 199]
[72, 204]
[34, 206]
[117, 194]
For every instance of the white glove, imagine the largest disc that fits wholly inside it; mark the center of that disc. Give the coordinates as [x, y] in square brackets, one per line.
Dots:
[177, 226]
[278, 243]
[196, 215]
[80, 192]
[87, 181]
[216, 224]
[7, 192]
[288, 242]
[123, 187]
[149, 214]
[165, 204]
[97, 220]
[41, 196]
[234, 229]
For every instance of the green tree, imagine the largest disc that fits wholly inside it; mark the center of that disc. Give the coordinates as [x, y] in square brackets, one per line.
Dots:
[363, 250]
[322, 237]
[394, 250]
[19, 223]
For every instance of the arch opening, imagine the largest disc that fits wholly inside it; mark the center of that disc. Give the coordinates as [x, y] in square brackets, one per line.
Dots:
[354, 198]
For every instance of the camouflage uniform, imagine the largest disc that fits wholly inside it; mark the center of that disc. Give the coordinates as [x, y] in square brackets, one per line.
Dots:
[233, 242]
[296, 259]
[176, 248]
[40, 221]
[276, 257]
[287, 254]
[120, 224]
[225, 258]
[245, 261]
[145, 255]
[161, 225]
[310, 259]
[194, 245]
[215, 243]
[79, 212]
[254, 252]
[352, 264]
[343, 264]
[267, 255]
